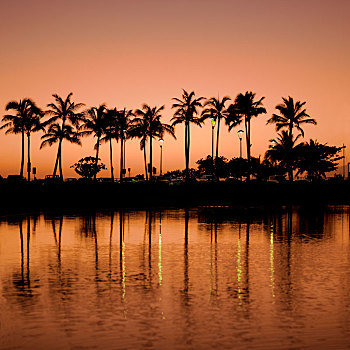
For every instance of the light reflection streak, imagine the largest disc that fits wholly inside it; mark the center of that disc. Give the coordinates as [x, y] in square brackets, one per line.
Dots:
[160, 251]
[123, 270]
[239, 271]
[272, 270]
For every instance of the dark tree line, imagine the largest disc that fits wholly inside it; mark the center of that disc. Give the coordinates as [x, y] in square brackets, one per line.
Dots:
[67, 121]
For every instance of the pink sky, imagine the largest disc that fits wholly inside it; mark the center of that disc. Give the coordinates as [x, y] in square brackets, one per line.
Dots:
[126, 53]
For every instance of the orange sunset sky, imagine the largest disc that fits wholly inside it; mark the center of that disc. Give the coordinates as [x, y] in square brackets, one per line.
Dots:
[126, 53]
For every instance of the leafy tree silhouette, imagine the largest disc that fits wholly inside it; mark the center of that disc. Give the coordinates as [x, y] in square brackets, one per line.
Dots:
[87, 167]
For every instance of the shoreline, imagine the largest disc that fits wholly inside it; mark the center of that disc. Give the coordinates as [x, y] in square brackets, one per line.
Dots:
[37, 196]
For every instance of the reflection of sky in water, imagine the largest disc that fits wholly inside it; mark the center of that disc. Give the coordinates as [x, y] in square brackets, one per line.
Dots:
[132, 279]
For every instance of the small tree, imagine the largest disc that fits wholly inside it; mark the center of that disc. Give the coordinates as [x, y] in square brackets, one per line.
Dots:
[87, 167]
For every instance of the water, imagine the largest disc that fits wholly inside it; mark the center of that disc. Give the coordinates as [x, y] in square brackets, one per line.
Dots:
[207, 278]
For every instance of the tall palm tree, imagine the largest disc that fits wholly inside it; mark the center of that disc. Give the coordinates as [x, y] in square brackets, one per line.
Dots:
[216, 109]
[284, 150]
[233, 117]
[150, 117]
[95, 122]
[248, 108]
[186, 112]
[32, 123]
[291, 115]
[55, 134]
[67, 113]
[139, 129]
[121, 133]
[14, 123]
[108, 134]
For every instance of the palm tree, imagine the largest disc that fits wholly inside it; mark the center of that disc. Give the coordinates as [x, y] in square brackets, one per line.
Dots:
[55, 134]
[108, 134]
[284, 150]
[123, 123]
[186, 112]
[247, 108]
[291, 115]
[94, 122]
[15, 123]
[150, 118]
[67, 112]
[139, 129]
[32, 124]
[233, 117]
[216, 109]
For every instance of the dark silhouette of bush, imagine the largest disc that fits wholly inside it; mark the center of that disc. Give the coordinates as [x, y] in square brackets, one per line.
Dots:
[87, 167]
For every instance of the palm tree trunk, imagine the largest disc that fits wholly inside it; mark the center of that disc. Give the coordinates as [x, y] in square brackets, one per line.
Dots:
[290, 170]
[217, 139]
[121, 159]
[57, 158]
[124, 157]
[186, 149]
[150, 158]
[145, 160]
[60, 165]
[247, 134]
[96, 159]
[111, 158]
[28, 163]
[22, 156]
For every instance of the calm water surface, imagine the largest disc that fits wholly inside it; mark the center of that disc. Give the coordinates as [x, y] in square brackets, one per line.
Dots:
[207, 278]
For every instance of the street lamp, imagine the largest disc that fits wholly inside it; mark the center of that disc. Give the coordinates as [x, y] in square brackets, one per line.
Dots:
[273, 143]
[240, 135]
[161, 156]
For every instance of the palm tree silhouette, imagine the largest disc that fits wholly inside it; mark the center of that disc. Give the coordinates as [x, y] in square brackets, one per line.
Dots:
[95, 122]
[186, 112]
[216, 109]
[285, 151]
[32, 124]
[139, 129]
[247, 108]
[148, 125]
[15, 123]
[291, 115]
[55, 134]
[123, 123]
[67, 112]
[108, 134]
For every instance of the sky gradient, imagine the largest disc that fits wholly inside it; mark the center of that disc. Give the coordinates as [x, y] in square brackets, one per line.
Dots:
[125, 53]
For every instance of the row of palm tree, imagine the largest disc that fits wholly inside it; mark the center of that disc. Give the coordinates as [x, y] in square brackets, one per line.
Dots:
[66, 121]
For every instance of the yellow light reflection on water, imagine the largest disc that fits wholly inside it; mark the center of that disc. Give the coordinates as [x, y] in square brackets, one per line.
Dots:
[239, 271]
[123, 270]
[272, 270]
[160, 259]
